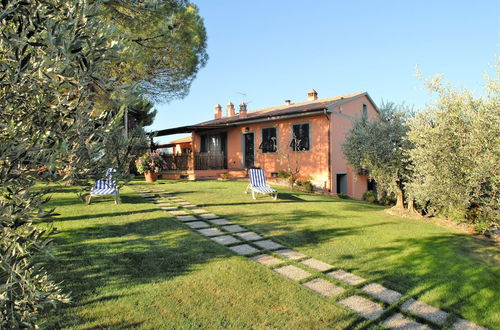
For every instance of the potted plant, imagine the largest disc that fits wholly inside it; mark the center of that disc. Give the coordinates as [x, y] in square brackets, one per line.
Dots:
[150, 164]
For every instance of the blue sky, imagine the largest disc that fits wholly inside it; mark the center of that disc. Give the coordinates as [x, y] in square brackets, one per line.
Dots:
[264, 52]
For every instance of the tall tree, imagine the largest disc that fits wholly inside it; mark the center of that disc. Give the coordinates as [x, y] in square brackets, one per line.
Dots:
[456, 154]
[165, 44]
[379, 148]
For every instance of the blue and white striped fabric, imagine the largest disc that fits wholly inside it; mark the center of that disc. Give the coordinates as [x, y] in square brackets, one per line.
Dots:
[258, 183]
[105, 186]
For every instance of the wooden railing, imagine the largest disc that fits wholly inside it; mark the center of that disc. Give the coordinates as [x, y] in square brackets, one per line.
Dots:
[210, 161]
[202, 161]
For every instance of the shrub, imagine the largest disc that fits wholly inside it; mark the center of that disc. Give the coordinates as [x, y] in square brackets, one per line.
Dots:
[343, 196]
[304, 185]
[370, 196]
[150, 161]
[225, 176]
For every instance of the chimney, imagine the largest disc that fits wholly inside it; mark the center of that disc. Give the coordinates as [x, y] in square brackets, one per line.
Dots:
[312, 95]
[243, 110]
[230, 109]
[217, 111]
[288, 102]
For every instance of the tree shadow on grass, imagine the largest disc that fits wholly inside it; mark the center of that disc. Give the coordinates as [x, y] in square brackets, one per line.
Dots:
[120, 257]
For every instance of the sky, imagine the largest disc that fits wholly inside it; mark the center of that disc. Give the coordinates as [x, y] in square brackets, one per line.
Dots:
[263, 52]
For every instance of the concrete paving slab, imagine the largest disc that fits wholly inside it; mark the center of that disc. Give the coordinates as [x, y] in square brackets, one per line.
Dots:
[233, 228]
[226, 240]
[169, 208]
[163, 204]
[290, 254]
[432, 314]
[316, 264]
[462, 324]
[398, 321]
[208, 216]
[186, 218]
[199, 211]
[183, 203]
[346, 277]
[364, 307]
[210, 232]
[267, 260]
[323, 287]
[244, 249]
[177, 212]
[292, 272]
[197, 224]
[188, 206]
[250, 236]
[268, 244]
[220, 222]
[382, 293]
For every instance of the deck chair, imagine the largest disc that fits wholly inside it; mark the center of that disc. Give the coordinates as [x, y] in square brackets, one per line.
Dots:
[258, 183]
[105, 187]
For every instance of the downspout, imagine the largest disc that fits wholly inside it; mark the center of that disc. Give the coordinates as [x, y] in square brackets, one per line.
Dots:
[325, 111]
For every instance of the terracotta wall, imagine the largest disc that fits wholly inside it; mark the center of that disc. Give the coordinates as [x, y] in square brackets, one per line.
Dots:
[342, 118]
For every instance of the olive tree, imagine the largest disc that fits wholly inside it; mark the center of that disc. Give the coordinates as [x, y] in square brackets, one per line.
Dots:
[52, 55]
[379, 148]
[456, 153]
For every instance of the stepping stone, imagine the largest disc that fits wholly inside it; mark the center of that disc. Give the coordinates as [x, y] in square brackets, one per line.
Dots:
[210, 232]
[220, 222]
[208, 216]
[462, 324]
[161, 204]
[432, 314]
[268, 244]
[292, 272]
[199, 211]
[346, 277]
[169, 208]
[316, 264]
[186, 218]
[364, 307]
[382, 293]
[188, 206]
[177, 200]
[323, 287]
[244, 249]
[291, 254]
[197, 224]
[226, 240]
[250, 236]
[177, 212]
[398, 321]
[233, 228]
[165, 195]
[183, 203]
[267, 260]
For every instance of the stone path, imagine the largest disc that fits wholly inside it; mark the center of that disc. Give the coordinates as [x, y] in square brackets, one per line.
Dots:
[315, 275]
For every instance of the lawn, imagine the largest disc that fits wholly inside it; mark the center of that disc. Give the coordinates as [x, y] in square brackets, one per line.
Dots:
[131, 265]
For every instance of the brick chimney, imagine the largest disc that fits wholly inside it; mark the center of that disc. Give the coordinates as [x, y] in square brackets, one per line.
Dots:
[217, 111]
[230, 109]
[312, 95]
[288, 102]
[243, 110]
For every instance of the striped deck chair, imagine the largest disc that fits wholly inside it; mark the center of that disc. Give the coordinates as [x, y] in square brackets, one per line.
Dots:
[105, 187]
[258, 183]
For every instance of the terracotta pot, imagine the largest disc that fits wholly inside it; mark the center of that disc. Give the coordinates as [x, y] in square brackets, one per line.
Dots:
[150, 176]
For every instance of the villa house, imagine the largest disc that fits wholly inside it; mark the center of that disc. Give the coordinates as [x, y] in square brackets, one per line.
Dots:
[307, 136]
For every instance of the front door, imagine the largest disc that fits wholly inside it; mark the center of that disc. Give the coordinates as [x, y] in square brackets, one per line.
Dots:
[248, 150]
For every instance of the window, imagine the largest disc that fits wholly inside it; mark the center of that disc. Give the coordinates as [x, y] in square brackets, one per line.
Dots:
[269, 141]
[365, 112]
[300, 137]
[213, 143]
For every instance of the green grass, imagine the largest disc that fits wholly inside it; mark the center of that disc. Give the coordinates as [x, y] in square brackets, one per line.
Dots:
[129, 265]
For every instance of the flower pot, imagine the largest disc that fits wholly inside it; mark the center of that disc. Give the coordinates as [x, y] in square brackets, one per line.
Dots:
[150, 176]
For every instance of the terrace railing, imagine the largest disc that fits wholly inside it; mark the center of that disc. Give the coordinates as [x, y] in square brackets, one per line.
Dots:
[202, 161]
